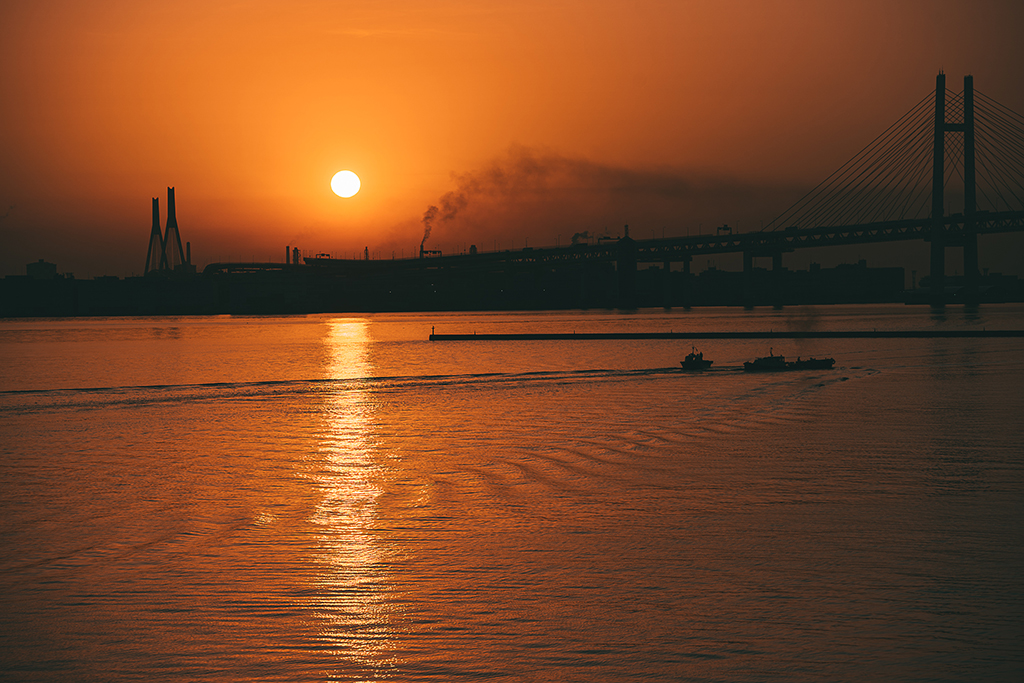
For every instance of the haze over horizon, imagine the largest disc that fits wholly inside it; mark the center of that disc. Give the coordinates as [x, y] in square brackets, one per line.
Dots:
[536, 120]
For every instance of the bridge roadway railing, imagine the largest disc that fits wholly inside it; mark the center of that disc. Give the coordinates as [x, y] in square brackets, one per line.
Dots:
[770, 243]
[764, 243]
[676, 249]
[767, 243]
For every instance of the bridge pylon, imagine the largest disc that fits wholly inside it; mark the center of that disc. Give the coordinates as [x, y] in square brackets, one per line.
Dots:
[938, 235]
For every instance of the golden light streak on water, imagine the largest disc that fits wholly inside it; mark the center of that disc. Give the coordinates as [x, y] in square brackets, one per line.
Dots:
[352, 588]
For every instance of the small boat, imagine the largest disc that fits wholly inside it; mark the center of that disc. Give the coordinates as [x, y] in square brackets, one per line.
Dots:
[695, 360]
[769, 363]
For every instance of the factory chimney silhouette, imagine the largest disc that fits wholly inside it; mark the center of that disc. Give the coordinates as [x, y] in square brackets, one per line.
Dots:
[165, 252]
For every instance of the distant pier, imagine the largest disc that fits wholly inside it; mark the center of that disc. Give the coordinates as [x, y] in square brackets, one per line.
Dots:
[770, 334]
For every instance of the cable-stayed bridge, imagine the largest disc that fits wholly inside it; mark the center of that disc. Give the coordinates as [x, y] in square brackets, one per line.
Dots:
[948, 170]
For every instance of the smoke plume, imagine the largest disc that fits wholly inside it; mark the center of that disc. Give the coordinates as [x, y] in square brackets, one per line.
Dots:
[536, 194]
[450, 203]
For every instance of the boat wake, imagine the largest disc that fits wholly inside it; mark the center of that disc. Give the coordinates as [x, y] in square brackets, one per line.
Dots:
[34, 400]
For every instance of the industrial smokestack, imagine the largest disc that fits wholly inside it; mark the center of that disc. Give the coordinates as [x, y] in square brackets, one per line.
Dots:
[428, 221]
[287, 255]
[188, 253]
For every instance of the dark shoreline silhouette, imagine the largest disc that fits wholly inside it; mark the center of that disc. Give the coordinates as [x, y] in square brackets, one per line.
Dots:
[384, 286]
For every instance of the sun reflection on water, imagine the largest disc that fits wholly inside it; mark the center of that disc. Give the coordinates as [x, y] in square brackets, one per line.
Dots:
[352, 590]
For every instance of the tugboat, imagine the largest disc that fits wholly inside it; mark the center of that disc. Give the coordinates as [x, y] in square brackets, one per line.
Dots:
[769, 363]
[812, 364]
[695, 360]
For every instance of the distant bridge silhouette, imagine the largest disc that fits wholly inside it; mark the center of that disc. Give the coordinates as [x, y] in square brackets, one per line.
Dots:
[895, 189]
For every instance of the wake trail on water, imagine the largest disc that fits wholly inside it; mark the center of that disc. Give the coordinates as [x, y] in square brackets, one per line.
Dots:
[32, 400]
[26, 401]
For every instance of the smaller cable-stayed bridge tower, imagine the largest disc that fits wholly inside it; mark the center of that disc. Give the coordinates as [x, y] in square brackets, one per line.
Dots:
[165, 253]
[973, 183]
[174, 255]
[155, 254]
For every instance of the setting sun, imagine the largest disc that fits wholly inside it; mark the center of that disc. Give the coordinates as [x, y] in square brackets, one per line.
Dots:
[345, 183]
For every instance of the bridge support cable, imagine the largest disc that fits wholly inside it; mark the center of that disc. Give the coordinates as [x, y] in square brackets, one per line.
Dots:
[906, 184]
[997, 184]
[1004, 155]
[1000, 149]
[854, 201]
[1008, 122]
[884, 174]
[879, 188]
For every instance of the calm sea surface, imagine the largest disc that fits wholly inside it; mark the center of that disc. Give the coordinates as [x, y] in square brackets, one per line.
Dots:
[338, 498]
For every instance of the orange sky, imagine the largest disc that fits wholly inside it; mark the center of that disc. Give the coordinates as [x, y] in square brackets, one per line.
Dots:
[550, 115]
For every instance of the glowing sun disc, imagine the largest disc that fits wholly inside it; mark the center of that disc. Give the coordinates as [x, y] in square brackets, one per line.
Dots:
[345, 183]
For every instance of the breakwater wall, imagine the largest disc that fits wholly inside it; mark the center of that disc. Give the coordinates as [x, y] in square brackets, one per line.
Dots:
[770, 334]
